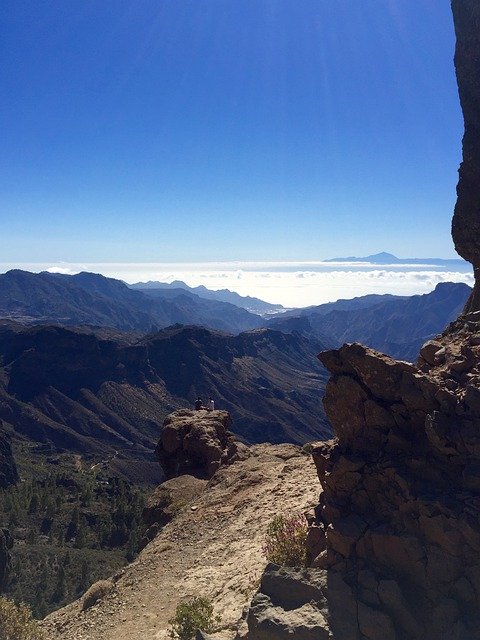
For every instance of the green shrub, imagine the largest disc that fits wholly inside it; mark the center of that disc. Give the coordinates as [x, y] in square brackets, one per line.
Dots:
[16, 622]
[191, 616]
[285, 541]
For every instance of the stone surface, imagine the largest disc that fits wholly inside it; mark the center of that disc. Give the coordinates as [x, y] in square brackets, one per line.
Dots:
[466, 219]
[167, 500]
[289, 603]
[400, 506]
[197, 443]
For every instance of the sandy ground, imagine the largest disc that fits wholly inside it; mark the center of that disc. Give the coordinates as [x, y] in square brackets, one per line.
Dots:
[213, 549]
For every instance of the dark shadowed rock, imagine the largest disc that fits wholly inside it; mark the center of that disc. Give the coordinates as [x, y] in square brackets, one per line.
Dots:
[197, 443]
[466, 220]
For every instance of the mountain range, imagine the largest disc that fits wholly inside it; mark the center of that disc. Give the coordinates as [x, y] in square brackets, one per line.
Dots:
[395, 325]
[92, 299]
[103, 388]
[78, 392]
[254, 305]
[388, 258]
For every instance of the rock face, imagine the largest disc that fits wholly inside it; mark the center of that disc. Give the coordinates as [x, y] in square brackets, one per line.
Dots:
[399, 515]
[197, 443]
[466, 220]
[8, 469]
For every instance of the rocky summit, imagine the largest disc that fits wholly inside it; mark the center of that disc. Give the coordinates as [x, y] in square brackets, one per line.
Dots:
[197, 443]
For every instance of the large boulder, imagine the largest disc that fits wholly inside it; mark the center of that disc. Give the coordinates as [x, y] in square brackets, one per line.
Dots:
[197, 443]
[290, 603]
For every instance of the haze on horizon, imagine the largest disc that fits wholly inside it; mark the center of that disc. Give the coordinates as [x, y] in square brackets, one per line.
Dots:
[146, 132]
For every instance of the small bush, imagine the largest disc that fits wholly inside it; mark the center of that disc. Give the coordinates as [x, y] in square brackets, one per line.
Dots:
[191, 616]
[97, 591]
[16, 622]
[285, 541]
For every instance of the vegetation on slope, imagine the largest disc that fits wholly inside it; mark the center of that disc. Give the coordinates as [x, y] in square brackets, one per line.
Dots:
[72, 525]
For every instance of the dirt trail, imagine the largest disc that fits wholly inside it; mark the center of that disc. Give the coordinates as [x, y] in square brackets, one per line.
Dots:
[212, 550]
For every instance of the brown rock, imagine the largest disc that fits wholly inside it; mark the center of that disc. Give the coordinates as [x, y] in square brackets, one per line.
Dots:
[429, 351]
[197, 443]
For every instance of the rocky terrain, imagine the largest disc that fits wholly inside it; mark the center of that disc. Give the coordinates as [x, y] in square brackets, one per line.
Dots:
[212, 547]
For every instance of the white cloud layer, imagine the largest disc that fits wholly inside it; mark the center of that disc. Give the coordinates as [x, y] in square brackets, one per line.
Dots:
[290, 284]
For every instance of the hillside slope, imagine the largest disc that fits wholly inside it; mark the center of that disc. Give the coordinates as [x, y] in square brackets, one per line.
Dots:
[213, 550]
[394, 325]
[101, 397]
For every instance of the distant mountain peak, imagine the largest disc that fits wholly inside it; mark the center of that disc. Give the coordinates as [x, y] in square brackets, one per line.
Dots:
[388, 258]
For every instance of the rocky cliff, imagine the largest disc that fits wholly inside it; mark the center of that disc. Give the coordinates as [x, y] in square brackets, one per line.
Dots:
[466, 220]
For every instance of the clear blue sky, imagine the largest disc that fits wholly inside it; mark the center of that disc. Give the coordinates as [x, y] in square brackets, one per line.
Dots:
[165, 130]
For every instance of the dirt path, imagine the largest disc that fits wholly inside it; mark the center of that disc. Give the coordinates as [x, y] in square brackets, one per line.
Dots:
[212, 550]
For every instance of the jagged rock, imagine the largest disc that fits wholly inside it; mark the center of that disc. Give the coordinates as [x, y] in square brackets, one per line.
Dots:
[400, 507]
[197, 443]
[466, 219]
[8, 469]
[289, 603]
[201, 635]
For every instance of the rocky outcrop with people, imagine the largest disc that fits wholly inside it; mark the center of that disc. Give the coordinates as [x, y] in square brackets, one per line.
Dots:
[197, 443]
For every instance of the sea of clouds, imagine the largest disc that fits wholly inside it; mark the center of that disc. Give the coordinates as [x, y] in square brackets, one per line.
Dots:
[292, 284]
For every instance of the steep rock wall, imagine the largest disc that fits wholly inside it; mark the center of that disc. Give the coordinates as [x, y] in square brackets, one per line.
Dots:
[466, 219]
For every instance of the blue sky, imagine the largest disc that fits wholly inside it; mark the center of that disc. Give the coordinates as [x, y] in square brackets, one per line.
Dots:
[197, 130]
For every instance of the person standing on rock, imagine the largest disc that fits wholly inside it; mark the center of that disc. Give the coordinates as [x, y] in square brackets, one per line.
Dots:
[198, 404]
[210, 404]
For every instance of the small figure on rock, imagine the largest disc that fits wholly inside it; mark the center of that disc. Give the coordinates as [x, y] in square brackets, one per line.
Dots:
[198, 404]
[210, 404]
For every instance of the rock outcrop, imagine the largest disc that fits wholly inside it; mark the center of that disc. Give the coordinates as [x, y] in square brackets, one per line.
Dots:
[466, 220]
[399, 515]
[8, 469]
[197, 443]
